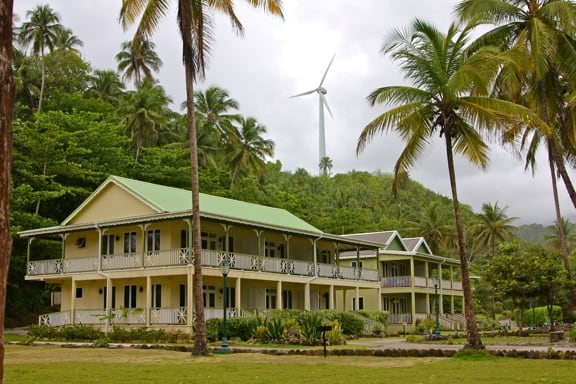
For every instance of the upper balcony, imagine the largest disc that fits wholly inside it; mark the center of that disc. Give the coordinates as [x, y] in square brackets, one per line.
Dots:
[419, 282]
[181, 258]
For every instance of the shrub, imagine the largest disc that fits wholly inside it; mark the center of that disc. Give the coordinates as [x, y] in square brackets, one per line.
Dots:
[214, 329]
[538, 316]
[276, 329]
[309, 323]
[351, 324]
[572, 335]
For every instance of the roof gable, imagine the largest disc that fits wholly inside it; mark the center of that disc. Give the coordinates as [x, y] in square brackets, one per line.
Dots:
[162, 199]
[418, 244]
[390, 240]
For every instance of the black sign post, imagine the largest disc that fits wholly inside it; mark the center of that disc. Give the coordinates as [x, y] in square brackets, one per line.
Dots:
[323, 329]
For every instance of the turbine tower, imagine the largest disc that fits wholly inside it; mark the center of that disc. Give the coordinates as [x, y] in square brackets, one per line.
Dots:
[321, 91]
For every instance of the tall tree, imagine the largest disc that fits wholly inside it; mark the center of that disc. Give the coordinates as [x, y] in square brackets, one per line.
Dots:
[143, 112]
[106, 85]
[66, 40]
[7, 89]
[433, 227]
[444, 73]
[326, 165]
[138, 62]
[215, 105]
[539, 36]
[41, 31]
[249, 149]
[195, 22]
[492, 226]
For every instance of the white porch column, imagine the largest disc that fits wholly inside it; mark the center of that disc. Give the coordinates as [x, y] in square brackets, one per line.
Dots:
[380, 298]
[357, 298]
[331, 301]
[307, 297]
[109, 293]
[279, 304]
[239, 296]
[148, 299]
[73, 301]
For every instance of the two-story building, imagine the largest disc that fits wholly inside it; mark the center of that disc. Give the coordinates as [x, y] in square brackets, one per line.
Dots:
[126, 258]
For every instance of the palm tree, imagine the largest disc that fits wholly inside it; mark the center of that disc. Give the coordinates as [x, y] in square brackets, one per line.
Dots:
[444, 72]
[138, 63]
[143, 112]
[195, 22]
[41, 31]
[433, 227]
[493, 226]
[6, 136]
[67, 41]
[541, 33]
[553, 240]
[249, 149]
[214, 106]
[106, 85]
[326, 165]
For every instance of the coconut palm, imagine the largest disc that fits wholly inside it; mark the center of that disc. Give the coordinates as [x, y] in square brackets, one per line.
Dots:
[66, 40]
[106, 85]
[138, 63]
[214, 106]
[444, 73]
[540, 34]
[553, 240]
[433, 227]
[326, 165]
[249, 149]
[492, 226]
[144, 112]
[195, 22]
[41, 32]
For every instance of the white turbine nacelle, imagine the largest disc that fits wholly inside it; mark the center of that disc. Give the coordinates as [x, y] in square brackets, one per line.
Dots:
[321, 91]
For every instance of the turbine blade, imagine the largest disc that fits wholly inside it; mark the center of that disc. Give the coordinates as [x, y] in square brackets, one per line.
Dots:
[304, 93]
[326, 71]
[326, 104]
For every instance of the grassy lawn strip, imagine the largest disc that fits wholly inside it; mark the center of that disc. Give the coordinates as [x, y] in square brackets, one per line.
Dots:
[51, 365]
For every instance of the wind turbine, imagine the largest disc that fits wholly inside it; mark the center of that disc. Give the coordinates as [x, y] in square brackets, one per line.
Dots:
[321, 91]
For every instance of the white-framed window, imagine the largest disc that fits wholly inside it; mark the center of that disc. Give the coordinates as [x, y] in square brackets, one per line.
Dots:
[324, 256]
[130, 293]
[287, 299]
[107, 245]
[129, 243]
[209, 296]
[153, 240]
[156, 299]
[269, 249]
[360, 303]
[208, 240]
[270, 298]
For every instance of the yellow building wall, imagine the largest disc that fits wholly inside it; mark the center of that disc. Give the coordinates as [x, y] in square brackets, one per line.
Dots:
[112, 203]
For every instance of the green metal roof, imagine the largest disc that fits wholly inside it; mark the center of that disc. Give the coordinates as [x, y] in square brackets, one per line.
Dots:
[169, 199]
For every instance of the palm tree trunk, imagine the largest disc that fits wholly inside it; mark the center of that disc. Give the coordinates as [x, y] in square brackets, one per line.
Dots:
[6, 134]
[200, 341]
[472, 335]
[559, 162]
[42, 81]
[559, 225]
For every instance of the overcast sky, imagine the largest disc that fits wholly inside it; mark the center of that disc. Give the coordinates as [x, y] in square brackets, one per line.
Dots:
[278, 59]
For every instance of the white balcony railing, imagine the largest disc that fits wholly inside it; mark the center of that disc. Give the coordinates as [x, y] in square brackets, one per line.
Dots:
[210, 258]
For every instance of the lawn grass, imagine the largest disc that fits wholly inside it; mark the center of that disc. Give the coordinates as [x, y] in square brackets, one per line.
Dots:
[52, 364]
